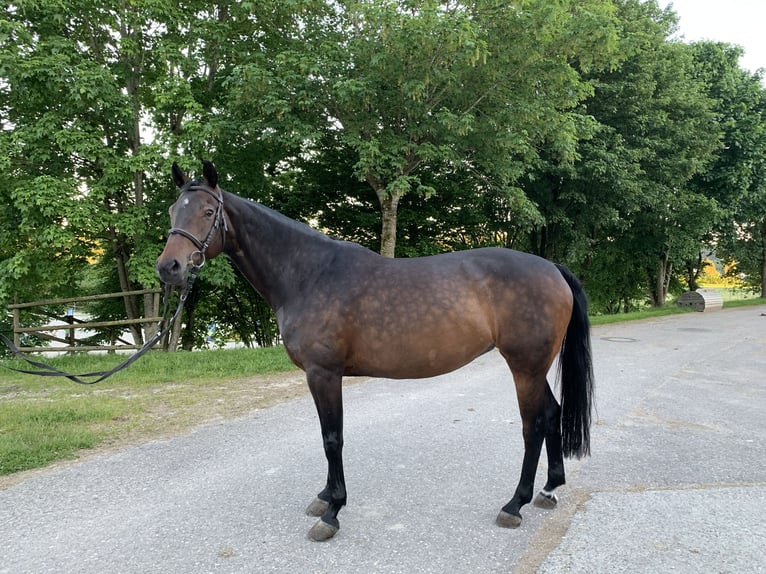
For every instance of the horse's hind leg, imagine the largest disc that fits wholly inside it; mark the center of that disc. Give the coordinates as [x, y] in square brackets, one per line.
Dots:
[546, 497]
[326, 389]
[539, 415]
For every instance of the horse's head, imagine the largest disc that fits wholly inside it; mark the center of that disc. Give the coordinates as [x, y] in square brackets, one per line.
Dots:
[198, 224]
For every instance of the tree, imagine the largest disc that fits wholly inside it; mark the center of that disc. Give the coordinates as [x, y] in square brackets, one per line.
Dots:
[736, 179]
[626, 198]
[94, 98]
[676, 134]
[76, 80]
[408, 86]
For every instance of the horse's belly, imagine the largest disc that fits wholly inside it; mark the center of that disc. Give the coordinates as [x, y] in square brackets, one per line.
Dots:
[417, 353]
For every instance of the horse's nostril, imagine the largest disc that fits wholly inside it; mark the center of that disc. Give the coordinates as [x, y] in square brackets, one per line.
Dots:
[169, 270]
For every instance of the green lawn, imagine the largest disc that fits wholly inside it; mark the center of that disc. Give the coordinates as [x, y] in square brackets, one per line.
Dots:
[44, 419]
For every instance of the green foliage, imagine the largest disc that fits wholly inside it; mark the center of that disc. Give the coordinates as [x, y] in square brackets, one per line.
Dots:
[736, 179]
[624, 214]
[222, 307]
[73, 102]
[405, 87]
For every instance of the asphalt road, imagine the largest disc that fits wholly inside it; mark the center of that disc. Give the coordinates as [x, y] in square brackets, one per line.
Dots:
[676, 483]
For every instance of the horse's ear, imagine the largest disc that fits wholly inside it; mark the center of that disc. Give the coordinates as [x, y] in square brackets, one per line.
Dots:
[179, 177]
[210, 174]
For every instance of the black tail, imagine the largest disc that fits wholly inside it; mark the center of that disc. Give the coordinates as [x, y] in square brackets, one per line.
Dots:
[576, 367]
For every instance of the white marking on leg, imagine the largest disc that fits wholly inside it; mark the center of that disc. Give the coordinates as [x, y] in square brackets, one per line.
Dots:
[550, 495]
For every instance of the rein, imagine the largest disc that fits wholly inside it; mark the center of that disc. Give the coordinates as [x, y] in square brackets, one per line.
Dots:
[163, 328]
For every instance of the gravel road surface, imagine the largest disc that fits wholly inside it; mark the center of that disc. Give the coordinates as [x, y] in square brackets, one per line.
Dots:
[676, 483]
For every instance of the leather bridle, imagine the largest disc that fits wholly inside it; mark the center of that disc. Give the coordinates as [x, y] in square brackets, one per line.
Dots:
[218, 223]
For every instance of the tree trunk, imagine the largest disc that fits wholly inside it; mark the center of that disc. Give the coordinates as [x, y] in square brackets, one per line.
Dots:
[693, 271]
[658, 280]
[175, 333]
[190, 308]
[660, 291]
[540, 242]
[131, 309]
[187, 336]
[389, 205]
[389, 208]
[184, 333]
[659, 295]
[134, 63]
[763, 274]
[151, 309]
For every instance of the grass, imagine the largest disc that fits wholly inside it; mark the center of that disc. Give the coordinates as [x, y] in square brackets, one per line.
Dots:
[44, 420]
[731, 303]
[645, 314]
[158, 367]
[731, 298]
[35, 434]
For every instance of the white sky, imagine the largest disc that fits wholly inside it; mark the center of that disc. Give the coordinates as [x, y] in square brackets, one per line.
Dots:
[740, 22]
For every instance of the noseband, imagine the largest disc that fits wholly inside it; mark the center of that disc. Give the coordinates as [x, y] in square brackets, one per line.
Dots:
[219, 222]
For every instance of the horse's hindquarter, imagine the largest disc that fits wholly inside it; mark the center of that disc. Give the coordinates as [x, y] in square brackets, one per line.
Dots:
[411, 318]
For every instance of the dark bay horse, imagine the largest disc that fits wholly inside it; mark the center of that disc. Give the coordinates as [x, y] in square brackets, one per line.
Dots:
[345, 310]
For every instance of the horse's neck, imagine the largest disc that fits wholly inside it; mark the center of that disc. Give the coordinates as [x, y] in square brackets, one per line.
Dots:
[271, 250]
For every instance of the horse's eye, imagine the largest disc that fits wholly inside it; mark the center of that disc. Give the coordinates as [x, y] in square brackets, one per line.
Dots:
[209, 213]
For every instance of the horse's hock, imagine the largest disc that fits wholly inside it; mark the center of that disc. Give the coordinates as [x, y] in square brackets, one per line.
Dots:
[702, 300]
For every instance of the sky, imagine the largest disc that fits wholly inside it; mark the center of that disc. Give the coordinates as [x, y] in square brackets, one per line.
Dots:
[741, 22]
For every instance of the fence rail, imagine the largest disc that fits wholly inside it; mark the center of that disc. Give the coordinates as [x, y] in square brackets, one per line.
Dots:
[71, 324]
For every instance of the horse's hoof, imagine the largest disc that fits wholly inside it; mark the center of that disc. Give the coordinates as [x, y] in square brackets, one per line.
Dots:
[547, 500]
[317, 508]
[508, 520]
[322, 531]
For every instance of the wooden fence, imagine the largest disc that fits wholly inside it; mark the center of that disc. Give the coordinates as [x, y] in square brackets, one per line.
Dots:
[71, 324]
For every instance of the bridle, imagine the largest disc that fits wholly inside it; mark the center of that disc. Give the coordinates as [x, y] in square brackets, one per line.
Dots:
[197, 258]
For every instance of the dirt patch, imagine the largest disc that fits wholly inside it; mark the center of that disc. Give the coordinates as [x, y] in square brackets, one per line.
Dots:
[552, 531]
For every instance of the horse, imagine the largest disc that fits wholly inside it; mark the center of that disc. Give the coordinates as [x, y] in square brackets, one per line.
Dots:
[344, 310]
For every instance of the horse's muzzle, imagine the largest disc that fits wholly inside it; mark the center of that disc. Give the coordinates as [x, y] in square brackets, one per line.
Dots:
[171, 271]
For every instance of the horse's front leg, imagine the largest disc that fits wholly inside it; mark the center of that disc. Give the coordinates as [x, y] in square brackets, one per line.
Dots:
[326, 389]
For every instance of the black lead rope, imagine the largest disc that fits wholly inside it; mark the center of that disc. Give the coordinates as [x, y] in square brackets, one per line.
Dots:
[45, 370]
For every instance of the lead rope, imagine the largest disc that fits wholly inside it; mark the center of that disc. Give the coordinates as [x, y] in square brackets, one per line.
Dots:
[50, 371]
